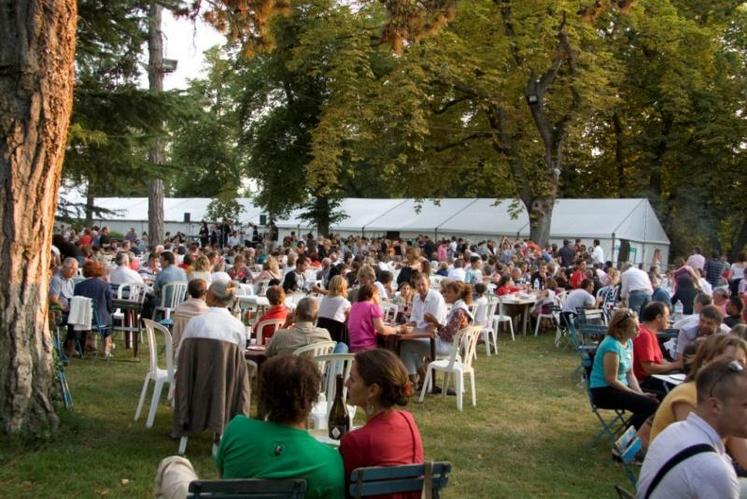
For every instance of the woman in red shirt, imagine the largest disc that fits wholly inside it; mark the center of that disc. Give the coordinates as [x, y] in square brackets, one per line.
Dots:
[378, 381]
[506, 286]
[276, 296]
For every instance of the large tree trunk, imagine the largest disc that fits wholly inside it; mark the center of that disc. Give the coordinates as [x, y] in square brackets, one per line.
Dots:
[155, 155]
[322, 216]
[540, 218]
[37, 49]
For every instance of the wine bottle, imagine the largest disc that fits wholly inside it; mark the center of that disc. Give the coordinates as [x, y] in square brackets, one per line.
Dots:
[338, 422]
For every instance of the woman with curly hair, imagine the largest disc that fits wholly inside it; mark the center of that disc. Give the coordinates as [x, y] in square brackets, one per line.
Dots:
[277, 444]
[378, 382]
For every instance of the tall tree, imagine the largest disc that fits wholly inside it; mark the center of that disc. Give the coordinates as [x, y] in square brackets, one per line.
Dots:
[156, 152]
[37, 50]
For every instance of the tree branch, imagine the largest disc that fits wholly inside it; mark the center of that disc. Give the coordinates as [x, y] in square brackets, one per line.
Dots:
[449, 104]
[508, 28]
[463, 141]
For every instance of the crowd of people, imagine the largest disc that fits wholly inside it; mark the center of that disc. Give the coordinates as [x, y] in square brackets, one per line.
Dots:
[348, 284]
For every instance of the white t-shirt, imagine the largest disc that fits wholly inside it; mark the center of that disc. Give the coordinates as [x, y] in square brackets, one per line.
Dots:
[334, 307]
[578, 298]
[124, 275]
[597, 255]
[457, 274]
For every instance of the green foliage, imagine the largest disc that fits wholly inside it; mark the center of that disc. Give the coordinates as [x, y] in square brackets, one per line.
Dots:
[224, 208]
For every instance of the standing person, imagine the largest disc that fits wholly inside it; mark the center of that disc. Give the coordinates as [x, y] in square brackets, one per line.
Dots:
[713, 269]
[635, 288]
[721, 388]
[597, 254]
[736, 272]
[696, 261]
[567, 254]
[378, 383]
[204, 234]
[612, 383]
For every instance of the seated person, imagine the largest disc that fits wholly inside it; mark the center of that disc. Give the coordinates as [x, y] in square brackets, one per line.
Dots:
[97, 289]
[277, 444]
[366, 320]
[681, 401]
[647, 356]
[719, 414]
[734, 309]
[295, 280]
[193, 306]
[303, 332]
[378, 382]
[612, 383]
[581, 297]
[506, 286]
[709, 323]
[276, 296]
[412, 352]
[334, 309]
[403, 299]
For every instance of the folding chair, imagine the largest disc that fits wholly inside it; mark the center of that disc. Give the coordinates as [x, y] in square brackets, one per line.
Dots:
[611, 428]
[384, 480]
[291, 488]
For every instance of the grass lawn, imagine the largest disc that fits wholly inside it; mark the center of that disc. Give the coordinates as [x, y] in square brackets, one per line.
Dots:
[527, 437]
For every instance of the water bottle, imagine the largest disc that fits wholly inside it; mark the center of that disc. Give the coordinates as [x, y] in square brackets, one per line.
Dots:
[536, 284]
[677, 311]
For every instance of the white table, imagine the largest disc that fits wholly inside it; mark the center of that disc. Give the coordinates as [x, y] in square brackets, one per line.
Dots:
[521, 300]
[670, 379]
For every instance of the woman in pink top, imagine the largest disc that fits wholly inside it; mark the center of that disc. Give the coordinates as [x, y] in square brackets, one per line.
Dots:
[365, 320]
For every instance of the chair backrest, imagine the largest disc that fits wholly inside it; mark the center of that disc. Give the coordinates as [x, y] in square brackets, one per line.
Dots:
[465, 341]
[172, 294]
[331, 365]
[390, 311]
[291, 488]
[273, 323]
[492, 307]
[244, 289]
[150, 330]
[384, 480]
[316, 349]
[468, 344]
[262, 287]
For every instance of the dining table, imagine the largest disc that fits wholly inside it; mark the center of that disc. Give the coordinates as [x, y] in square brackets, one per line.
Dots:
[524, 301]
[131, 310]
[393, 342]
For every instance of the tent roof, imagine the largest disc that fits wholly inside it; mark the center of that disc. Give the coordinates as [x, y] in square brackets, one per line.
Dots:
[632, 219]
[423, 216]
[173, 209]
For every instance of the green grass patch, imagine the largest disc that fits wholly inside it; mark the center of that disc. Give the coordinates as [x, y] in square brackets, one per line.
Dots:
[527, 437]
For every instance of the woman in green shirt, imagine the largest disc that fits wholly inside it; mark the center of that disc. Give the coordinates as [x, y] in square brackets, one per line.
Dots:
[612, 382]
[278, 445]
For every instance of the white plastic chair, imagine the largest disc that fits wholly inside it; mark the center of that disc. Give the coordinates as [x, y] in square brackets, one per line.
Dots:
[317, 349]
[274, 323]
[489, 333]
[262, 287]
[501, 317]
[459, 363]
[156, 374]
[172, 294]
[331, 365]
[552, 316]
[390, 311]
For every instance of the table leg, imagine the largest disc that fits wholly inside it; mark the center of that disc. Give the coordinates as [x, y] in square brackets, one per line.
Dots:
[526, 319]
[433, 357]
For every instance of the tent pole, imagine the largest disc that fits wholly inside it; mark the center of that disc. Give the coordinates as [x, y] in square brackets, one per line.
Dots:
[612, 252]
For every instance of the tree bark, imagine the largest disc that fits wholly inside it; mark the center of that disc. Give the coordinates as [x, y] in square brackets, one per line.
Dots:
[155, 155]
[322, 216]
[37, 50]
[540, 218]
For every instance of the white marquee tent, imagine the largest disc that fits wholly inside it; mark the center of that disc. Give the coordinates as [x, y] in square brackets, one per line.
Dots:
[615, 222]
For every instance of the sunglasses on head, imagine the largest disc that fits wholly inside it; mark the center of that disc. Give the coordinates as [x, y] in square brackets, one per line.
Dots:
[733, 367]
